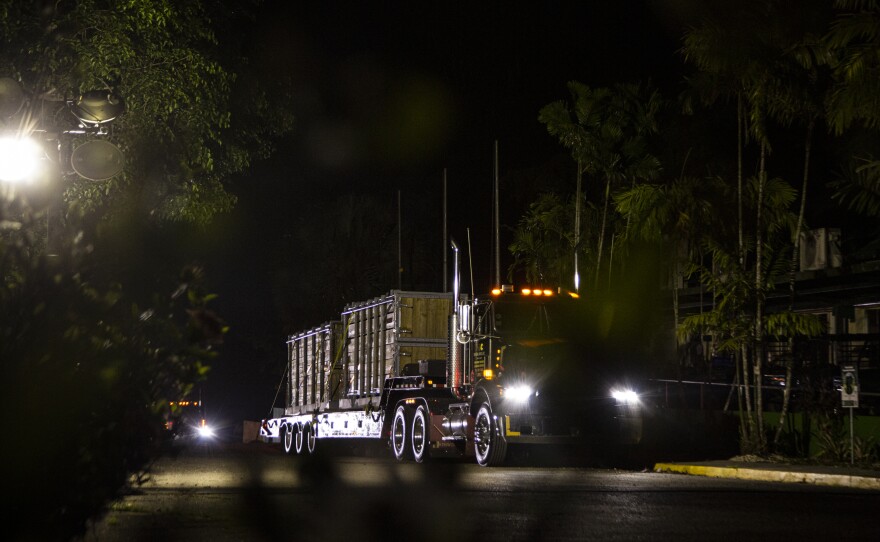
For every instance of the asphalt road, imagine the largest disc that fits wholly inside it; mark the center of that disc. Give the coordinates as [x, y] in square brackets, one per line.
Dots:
[252, 492]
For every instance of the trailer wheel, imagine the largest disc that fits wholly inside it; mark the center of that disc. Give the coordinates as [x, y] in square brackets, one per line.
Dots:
[299, 439]
[311, 434]
[399, 440]
[286, 438]
[489, 446]
[419, 435]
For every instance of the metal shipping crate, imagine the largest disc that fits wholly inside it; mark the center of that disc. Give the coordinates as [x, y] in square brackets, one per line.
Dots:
[315, 364]
[384, 334]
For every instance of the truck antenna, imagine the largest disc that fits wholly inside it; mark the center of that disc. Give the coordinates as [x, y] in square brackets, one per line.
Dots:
[497, 223]
[577, 229]
[470, 262]
[445, 236]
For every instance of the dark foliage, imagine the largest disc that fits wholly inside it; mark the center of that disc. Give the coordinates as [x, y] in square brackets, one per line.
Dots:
[86, 374]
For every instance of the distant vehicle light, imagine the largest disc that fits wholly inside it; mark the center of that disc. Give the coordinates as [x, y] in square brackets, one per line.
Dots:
[519, 394]
[626, 397]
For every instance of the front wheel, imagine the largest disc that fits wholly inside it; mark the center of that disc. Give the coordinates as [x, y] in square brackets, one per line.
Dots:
[490, 447]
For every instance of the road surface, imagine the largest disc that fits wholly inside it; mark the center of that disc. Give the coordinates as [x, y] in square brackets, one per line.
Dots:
[252, 492]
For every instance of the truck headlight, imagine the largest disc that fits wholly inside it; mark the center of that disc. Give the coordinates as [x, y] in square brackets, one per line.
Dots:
[625, 396]
[519, 394]
[205, 431]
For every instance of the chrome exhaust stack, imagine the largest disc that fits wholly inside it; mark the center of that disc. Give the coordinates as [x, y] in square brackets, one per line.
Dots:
[454, 354]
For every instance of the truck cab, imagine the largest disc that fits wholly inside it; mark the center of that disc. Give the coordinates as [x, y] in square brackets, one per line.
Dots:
[536, 376]
[186, 419]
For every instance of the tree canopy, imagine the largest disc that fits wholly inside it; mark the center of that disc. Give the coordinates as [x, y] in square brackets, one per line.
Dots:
[93, 348]
[775, 79]
[193, 113]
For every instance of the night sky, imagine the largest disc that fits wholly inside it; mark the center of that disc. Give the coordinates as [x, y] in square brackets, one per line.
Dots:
[387, 95]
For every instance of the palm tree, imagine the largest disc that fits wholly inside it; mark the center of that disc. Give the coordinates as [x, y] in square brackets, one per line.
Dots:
[722, 54]
[858, 187]
[727, 55]
[854, 57]
[679, 216]
[796, 96]
[854, 44]
[545, 238]
[754, 57]
[733, 318]
[606, 130]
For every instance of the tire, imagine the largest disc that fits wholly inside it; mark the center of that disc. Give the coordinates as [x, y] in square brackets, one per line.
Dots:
[490, 448]
[419, 436]
[399, 435]
[299, 441]
[287, 439]
[311, 434]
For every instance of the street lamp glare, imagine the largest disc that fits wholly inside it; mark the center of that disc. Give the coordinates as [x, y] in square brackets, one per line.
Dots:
[19, 158]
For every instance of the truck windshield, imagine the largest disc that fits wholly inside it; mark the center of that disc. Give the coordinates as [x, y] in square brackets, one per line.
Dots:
[519, 319]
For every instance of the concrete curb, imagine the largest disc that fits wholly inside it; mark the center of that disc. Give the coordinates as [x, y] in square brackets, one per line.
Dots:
[769, 475]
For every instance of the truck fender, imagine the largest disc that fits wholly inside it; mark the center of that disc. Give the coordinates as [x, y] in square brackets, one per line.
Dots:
[411, 403]
[484, 394]
[422, 402]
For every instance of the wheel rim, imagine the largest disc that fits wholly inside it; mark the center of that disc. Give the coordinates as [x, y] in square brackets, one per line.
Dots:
[299, 438]
[418, 435]
[482, 436]
[287, 435]
[398, 434]
[312, 437]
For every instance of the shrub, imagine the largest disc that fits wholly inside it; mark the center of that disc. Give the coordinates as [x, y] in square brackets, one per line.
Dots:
[86, 374]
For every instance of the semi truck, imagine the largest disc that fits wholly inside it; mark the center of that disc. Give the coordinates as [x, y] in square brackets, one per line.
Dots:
[186, 418]
[433, 374]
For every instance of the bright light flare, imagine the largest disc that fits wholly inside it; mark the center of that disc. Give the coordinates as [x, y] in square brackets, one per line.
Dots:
[19, 158]
[205, 431]
[627, 397]
[519, 394]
